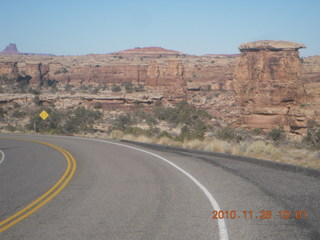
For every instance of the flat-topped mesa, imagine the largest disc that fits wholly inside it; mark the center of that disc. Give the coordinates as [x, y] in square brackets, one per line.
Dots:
[271, 46]
[149, 51]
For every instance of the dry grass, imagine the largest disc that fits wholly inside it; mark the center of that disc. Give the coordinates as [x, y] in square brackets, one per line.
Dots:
[261, 149]
[258, 149]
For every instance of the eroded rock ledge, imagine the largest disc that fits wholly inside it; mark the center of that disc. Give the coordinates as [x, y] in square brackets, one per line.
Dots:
[271, 46]
[267, 86]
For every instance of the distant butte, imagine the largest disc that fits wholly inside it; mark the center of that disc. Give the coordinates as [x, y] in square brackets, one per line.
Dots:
[149, 51]
[11, 49]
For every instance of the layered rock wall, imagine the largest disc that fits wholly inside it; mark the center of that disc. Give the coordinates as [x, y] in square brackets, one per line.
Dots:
[268, 85]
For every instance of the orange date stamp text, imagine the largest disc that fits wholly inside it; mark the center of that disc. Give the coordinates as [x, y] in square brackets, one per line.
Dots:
[263, 214]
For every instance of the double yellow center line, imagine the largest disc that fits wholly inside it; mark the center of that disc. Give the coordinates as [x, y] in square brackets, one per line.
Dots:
[47, 196]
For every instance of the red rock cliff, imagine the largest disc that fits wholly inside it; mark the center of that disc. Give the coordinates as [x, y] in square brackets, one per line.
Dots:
[268, 84]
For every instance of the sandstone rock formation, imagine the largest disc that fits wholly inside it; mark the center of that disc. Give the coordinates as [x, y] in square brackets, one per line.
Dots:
[268, 84]
[271, 45]
[11, 49]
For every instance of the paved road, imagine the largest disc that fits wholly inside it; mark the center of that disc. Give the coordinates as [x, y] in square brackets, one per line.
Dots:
[122, 193]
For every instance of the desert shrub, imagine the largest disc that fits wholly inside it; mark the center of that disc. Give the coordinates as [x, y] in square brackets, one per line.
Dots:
[193, 120]
[81, 120]
[139, 88]
[10, 128]
[313, 134]
[16, 105]
[128, 87]
[18, 114]
[226, 133]
[257, 131]
[116, 134]
[61, 70]
[181, 114]
[4, 79]
[122, 122]
[276, 135]
[2, 113]
[68, 87]
[37, 100]
[53, 122]
[153, 131]
[97, 105]
[191, 134]
[151, 120]
[34, 91]
[135, 131]
[164, 134]
[115, 88]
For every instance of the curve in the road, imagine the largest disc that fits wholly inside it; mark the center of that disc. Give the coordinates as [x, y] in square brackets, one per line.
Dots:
[223, 233]
[47, 196]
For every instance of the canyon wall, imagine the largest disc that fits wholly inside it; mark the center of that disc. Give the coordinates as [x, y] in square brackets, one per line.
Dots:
[268, 85]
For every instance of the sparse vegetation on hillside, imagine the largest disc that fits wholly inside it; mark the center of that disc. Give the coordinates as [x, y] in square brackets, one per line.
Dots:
[178, 125]
[193, 122]
[313, 134]
[276, 135]
[59, 122]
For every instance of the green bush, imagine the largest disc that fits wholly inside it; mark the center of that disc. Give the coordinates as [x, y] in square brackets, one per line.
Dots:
[16, 105]
[81, 120]
[68, 87]
[10, 128]
[97, 105]
[115, 88]
[2, 113]
[139, 88]
[276, 135]
[313, 134]
[18, 114]
[53, 121]
[122, 122]
[128, 87]
[164, 134]
[181, 114]
[34, 91]
[226, 133]
[61, 70]
[257, 131]
[78, 120]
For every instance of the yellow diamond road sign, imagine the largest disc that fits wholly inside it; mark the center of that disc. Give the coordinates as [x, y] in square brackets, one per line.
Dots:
[44, 115]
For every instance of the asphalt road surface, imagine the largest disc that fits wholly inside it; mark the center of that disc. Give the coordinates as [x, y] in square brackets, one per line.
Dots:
[123, 191]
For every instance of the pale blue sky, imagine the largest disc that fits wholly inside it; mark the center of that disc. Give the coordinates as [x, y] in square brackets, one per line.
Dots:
[75, 27]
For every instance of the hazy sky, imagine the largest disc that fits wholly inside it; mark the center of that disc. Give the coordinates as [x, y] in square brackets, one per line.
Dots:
[74, 27]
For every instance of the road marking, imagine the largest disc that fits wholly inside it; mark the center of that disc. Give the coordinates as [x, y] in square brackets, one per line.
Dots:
[223, 233]
[47, 196]
[3, 156]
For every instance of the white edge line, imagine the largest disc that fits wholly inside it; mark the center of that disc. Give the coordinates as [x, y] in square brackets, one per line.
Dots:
[221, 223]
[3, 156]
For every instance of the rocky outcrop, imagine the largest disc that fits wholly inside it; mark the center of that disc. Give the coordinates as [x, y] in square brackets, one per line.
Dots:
[271, 46]
[11, 49]
[169, 73]
[269, 86]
